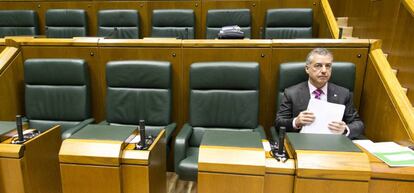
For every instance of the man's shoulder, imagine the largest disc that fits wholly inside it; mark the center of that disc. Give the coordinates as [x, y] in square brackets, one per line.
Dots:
[337, 88]
[297, 87]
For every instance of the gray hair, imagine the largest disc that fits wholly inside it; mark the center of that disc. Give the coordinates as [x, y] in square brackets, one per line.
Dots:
[319, 51]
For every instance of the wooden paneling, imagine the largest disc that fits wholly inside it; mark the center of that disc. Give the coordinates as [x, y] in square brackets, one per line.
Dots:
[223, 183]
[11, 84]
[90, 179]
[279, 183]
[135, 179]
[303, 185]
[328, 28]
[385, 109]
[402, 52]
[387, 186]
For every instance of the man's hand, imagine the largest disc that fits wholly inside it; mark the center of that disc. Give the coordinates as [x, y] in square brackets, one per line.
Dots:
[304, 118]
[337, 127]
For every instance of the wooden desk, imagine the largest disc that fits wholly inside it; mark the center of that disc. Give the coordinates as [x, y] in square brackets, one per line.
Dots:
[32, 166]
[112, 166]
[231, 165]
[280, 176]
[385, 179]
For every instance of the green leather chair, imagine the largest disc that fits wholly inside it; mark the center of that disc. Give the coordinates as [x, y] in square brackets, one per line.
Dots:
[223, 96]
[18, 23]
[218, 18]
[292, 73]
[57, 91]
[140, 90]
[176, 23]
[288, 23]
[66, 23]
[118, 24]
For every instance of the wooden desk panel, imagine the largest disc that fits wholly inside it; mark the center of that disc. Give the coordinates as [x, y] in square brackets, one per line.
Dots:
[388, 186]
[90, 179]
[220, 182]
[303, 185]
[280, 176]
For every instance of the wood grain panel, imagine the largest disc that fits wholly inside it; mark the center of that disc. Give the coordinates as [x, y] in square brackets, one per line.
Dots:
[385, 109]
[90, 55]
[402, 53]
[90, 179]
[260, 55]
[11, 84]
[387, 186]
[12, 175]
[41, 162]
[135, 179]
[358, 56]
[253, 5]
[303, 185]
[279, 183]
[172, 54]
[224, 183]
[328, 27]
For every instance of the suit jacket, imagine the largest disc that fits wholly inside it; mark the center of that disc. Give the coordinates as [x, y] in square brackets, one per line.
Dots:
[296, 99]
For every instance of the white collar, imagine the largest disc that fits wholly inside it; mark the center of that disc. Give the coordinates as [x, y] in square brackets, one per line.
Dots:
[313, 88]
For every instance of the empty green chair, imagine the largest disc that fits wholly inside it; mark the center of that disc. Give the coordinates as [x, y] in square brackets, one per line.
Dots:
[118, 24]
[292, 73]
[57, 92]
[66, 23]
[218, 18]
[18, 23]
[224, 96]
[288, 23]
[140, 90]
[176, 23]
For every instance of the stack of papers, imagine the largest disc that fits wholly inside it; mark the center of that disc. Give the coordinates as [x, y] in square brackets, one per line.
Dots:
[325, 113]
[391, 153]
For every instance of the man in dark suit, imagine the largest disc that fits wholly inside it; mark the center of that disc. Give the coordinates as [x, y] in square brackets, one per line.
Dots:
[292, 112]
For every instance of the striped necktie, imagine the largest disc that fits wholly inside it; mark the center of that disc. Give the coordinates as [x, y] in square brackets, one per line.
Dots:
[318, 92]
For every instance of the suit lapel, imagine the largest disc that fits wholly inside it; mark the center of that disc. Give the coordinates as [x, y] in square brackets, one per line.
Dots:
[304, 92]
[332, 94]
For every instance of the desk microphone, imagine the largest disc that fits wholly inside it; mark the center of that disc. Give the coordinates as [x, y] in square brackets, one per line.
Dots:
[142, 133]
[186, 33]
[19, 127]
[280, 152]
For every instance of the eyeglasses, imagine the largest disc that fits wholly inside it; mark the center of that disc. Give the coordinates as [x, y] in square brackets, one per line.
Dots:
[319, 66]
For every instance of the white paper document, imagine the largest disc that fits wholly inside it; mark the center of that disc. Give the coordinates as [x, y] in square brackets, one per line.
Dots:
[136, 139]
[325, 113]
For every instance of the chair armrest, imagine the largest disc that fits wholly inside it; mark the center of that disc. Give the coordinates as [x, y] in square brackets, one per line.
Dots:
[169, 129]
[181, 144]
[104, 122]
[71, 131]
[259, 129]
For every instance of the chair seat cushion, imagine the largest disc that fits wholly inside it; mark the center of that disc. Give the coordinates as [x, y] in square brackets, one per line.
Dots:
[188, 167]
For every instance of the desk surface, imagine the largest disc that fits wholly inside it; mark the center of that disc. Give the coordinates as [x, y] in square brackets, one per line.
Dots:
[246, 139]
[104, 132]
[6, 126]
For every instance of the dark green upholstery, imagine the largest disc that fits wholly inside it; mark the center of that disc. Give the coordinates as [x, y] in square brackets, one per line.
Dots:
[292, 73]
[224, 96]
[288, 23]
[138, 89]
[57, 92]
[104, 132]
[6, 126]
[18, 23]
[66, 23]
[218, 18]
[177, 23]
[118, 24]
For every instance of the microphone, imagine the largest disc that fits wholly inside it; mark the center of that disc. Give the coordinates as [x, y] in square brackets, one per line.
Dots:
[341, 31]
[113, 34]
[19, 127]
[280, 152]
[186, 33]
[142, 133]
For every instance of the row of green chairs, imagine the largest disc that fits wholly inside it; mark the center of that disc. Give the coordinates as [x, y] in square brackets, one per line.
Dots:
[176, 23]
[223, 96]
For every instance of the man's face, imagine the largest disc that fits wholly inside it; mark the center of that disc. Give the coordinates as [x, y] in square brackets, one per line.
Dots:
[319, 70]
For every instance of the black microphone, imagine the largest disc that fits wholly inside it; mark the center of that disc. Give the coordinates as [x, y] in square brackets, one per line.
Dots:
[341, 31]
[280, 151]
[142, 133]
[186, 33]
[19, 127]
